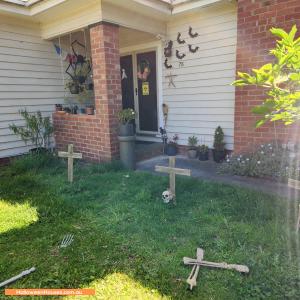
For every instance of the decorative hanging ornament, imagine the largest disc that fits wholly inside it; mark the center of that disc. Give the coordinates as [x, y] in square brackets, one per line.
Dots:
[191, 34]
[179, 56]
[167, 66]
[168, 49]
[144, 70]
[179, 39]
[124, 75]
[193, 50]
[171, 79]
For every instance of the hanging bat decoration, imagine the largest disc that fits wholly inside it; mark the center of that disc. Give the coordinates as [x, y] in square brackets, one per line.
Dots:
[179, 39]
[191, 34]
[193, 50]
[179, 56]
[168, 49]
[167, 66]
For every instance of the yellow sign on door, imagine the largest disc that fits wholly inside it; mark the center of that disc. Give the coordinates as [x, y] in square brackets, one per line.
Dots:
[145, 88]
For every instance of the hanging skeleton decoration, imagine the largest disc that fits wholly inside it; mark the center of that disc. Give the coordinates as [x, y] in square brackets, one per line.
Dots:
[180, 55]
[179, 39]
[124, 75]
[191, 34]
[192, 49]
[167, 66]
[168, 49]
[170, 77]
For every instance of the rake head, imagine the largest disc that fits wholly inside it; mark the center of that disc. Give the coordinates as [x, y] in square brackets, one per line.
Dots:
[67, 241]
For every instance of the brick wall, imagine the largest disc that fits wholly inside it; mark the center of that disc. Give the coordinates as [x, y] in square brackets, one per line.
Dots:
[96, 136]
[255, 18]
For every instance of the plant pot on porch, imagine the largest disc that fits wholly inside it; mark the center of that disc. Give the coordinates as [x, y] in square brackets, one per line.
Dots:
[126, 129]
[219, 155]
[192, 153]
[203, 156]
[171, 149]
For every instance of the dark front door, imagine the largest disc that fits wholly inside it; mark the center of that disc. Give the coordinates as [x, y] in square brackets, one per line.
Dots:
[127, 82]
[147, 91]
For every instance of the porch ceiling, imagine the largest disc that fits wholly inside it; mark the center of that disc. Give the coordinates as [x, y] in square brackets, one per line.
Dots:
[130, 37]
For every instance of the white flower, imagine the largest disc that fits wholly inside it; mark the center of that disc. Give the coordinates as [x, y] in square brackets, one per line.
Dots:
[228, 160]
[247, 159]
[258, 162]
[269, 145]
[273, 154]
[238, 159]
[261, 146]
[271, 148]
[262, 152]
[243, 162]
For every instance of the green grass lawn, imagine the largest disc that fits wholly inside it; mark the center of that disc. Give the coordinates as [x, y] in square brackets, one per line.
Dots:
[129, 244]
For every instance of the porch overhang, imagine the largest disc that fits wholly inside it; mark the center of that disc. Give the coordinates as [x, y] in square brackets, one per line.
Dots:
[58, 17]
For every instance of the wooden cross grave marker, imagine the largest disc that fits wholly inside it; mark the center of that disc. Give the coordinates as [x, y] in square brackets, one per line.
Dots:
[71, 156]
[192, 280]
[173, 172]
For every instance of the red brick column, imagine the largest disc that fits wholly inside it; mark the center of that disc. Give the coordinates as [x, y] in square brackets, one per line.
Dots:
[255, 18]
[96, 136]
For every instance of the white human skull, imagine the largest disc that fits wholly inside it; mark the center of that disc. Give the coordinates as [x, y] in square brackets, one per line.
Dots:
[167, 196]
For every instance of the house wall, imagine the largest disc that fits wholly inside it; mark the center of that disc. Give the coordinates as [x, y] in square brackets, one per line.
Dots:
[203, 97]
[30, 77]
[255, 18]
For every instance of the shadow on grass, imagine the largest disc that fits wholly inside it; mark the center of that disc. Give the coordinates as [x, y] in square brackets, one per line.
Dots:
[121, 226]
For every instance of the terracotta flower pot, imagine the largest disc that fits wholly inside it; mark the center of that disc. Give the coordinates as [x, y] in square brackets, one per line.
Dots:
[89, 110]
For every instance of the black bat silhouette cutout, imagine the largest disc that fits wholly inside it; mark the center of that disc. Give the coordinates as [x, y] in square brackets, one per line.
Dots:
[168, 49]
[167, 65]
[192, 35]
[179, 40]
[193, 50]
[179, 56]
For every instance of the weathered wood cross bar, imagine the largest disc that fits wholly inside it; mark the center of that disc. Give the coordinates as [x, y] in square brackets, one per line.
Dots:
[173, 172]
[192, 280]
[71, 156]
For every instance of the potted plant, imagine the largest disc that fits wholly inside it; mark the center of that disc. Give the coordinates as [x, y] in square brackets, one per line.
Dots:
[84, 98]
[219, 151]
[58, 107]
[73, 86]
[203, 152]
[90, 110]
[125, 117]
[127, 138]
[171, 149]
[192, 150]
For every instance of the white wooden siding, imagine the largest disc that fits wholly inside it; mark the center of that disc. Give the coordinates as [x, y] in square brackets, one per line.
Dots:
[203, 97]
[30, 77]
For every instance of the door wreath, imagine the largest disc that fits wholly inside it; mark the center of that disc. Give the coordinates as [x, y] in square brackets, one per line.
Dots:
[144, 70]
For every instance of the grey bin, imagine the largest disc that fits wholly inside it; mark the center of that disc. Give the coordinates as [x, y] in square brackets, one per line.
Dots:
[127, 151]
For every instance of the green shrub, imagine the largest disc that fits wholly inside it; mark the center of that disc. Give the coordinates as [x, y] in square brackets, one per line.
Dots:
[37, 129]
[126, 115]
[219, 143]
[193, 141]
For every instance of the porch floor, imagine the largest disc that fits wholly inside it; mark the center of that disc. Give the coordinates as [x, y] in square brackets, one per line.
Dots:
[147, 150]
[208, 170]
